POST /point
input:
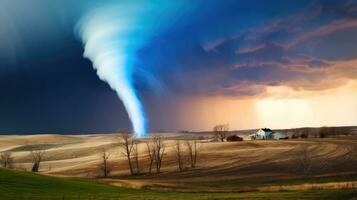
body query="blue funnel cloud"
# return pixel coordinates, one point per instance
(112, 34)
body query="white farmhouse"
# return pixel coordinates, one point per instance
(262, 134)
(266, 134)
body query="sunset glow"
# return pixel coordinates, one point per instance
(280, 107)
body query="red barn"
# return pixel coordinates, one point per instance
(234, 138)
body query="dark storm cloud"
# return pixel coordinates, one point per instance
(306, 46)
(230, 48)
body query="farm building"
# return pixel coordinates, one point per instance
(261, 134)
(234, 138)
(277, 136)
(266, 134)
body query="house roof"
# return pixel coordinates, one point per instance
(267, 130)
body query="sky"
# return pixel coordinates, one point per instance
(178, 65)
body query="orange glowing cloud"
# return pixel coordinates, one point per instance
(280, 107)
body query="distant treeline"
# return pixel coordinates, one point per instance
(320, 132)
(303, 132)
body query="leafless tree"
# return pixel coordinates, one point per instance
(178, 155)
(37, 157)
(6, 159)
(159, 152)
(192, 152)
(305, 161)
(105, 166)
(136, 157)
(221, 131)
(151, 151)
(127, 146)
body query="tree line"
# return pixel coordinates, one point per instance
(321, 132)
(155, 152)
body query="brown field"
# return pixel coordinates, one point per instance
(228, 166)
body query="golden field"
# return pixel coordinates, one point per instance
(221, 166)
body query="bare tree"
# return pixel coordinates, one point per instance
(151, 151)
(192, 152)
(159, 152)
(178, 155)
(136, 157)
(305, 161)
(6, 159)
(221, 131)
(127, 146)
(105, 166)
(37, 157)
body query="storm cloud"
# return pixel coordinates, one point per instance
(310, 47)
(227, 48)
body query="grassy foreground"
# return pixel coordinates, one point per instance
(25, 185)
